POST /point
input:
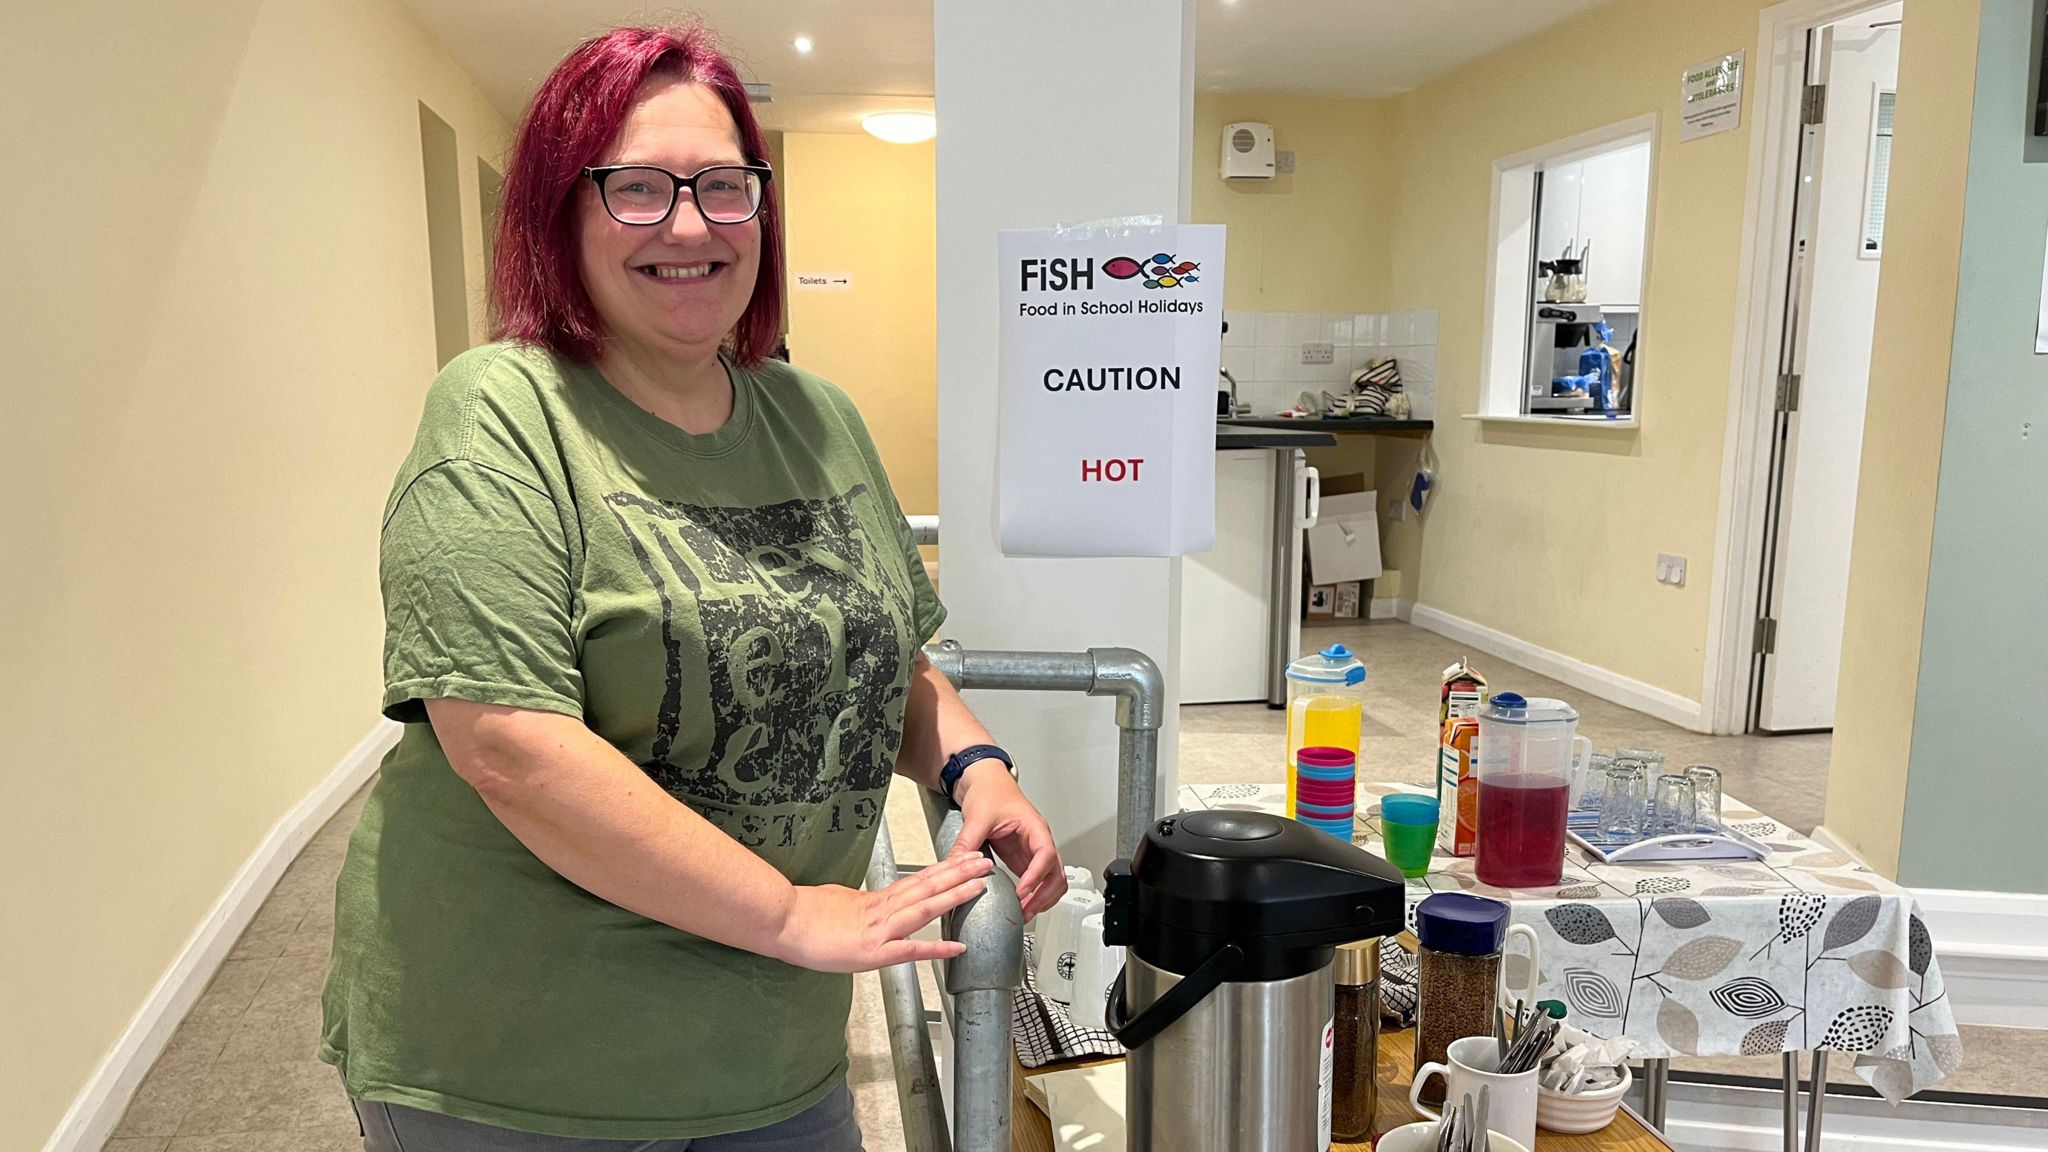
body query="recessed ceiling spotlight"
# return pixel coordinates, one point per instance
(803, 45)
(901, 127)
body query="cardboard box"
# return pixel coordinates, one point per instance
(1347, 599)
(1322, 601)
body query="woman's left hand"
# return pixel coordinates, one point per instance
(994, 812)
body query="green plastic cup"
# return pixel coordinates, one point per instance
(1408, 824)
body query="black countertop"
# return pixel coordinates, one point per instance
(1276, 434)
(1365, 424)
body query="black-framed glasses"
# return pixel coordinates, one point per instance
(644, 194)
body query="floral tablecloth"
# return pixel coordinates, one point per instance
(1801, 951)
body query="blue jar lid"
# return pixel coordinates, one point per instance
(1463, 923)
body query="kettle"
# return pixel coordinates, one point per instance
(1226, 1002)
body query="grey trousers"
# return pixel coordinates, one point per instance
(827, 1126)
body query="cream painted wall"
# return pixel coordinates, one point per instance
(1315, 241)
(856, 204)
(1909, 374)
(213, 370)
(1552, 534)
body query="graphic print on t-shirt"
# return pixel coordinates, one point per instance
(805, 640)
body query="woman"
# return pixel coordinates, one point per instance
(652, 621)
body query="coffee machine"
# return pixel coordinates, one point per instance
(1230, 921)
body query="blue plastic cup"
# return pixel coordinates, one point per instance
(1408, 824)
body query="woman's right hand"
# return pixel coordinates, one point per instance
(830, 928)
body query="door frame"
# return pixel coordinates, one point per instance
(1778, 71)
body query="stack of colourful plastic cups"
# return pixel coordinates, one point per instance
(1326, 790)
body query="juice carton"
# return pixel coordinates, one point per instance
(1457, 787)
(1464, 692)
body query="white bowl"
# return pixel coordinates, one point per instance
(1421, 1137)
(1585, 1112)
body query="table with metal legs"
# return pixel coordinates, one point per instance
(1656, 1096)
(1816, 1100)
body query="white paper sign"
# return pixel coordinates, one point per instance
(823, 281)
(2041, 326)
(1710, 98)
(1108, 356)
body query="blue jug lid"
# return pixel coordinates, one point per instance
(1333, 665)
(1461, 922)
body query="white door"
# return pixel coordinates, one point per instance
(1823, 434)
(1226, 592)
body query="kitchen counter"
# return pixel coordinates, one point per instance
(1273, 434)
(1369, 425)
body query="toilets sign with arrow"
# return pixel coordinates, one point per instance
(1110, 336)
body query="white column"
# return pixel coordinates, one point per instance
(1050, 112)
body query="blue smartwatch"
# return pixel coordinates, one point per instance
(959, 761)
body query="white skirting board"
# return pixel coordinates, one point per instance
(1608, 685)
(1993, 948)
(98, 1107)
(1710, 1118)
(1994, 954)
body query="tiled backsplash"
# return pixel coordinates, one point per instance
(1263, 351)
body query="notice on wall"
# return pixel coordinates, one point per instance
(1710, 98)
(822, 281)
(1110, 337)
(2041, 326)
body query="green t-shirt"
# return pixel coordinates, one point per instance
(737, 613)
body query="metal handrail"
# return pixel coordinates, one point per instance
(980, 984)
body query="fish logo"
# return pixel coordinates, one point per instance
(1163, 270)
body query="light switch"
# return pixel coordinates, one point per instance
(1671, 569)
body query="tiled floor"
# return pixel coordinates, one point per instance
(240, 1074)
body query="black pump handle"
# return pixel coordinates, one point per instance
(1178, 1001)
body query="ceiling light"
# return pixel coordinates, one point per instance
(803, 45)
(901, 127)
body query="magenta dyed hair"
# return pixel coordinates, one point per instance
(537, 293)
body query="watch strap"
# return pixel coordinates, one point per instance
(958, 763)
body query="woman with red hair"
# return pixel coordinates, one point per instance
(652, 625)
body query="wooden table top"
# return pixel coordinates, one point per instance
(1032, 1132)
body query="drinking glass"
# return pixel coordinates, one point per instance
(1675, 809)
(1621, 812)
(1706, 792)
(1652, 760)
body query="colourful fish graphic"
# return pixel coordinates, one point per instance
(1161, 270)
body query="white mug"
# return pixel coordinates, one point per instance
(1059, 930)
(1095, 968)
(1422, 1138)
(1511, 1105)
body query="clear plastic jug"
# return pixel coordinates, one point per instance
(1325, 707)
(1528, 752)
